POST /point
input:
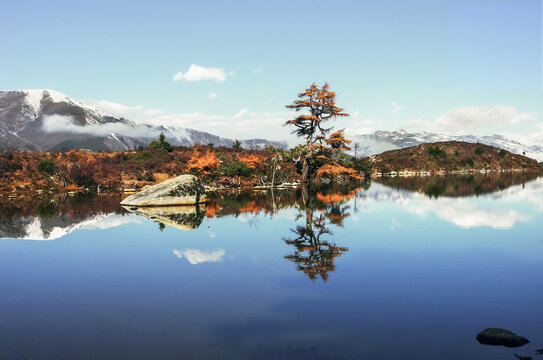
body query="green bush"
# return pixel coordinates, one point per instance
(161, 144)
(237, 168)
(47, 166)
(236, 145)
(437, 151)
(479, 150)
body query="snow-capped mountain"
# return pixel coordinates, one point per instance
(380, 141)
(46, 120)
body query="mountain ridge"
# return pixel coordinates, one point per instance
(381, 140)
(47, 120)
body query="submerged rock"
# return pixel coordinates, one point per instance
(181, 217)
(496, 336)
(520, 357)
(183, 190)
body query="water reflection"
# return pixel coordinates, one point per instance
(449, 198)
(181, 217)
(460, 185)
(196, 256)
(244, 288)
(315, 252)
(45, 217)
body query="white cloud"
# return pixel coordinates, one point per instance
(199, 73)
(241, 114)
(123, 111)
(258, 71)
(396, 107)
(195, 256)
(467, 118)
(242, 125)
(62, 123)
(212, 96)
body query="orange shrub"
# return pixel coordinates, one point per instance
(203, 163)
(334, 169)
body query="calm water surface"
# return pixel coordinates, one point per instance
(402, 269)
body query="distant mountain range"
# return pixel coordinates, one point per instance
(46, 120)
(380, 141)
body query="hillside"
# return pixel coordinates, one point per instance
(46, 120)
(380, 141)
(449, 156)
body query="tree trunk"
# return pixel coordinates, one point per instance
(305, 171)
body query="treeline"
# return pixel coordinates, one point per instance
(111, 171)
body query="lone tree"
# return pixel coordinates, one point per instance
(161, 144)
(321, 105)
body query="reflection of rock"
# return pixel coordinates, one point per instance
(495, 336)
(181, 217)
(183, 190)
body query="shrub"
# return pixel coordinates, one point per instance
(236, 145)
(161, 144)
(479, 150)
(47, 166)
(237, 168)
(437, 151)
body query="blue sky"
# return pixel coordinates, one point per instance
(453, 66)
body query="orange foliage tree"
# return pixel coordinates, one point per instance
(203, 164)
(321, 105)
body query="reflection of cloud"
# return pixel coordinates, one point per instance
(38, 228)
(195, 256)
(467, 212)
(110, 221)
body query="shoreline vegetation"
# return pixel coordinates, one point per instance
(322, 158)
(225, 168)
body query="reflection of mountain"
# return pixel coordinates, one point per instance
(466, 212)
(48, 218)
(181, 217)
(459, 185)
(56, 226)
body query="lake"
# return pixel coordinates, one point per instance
(396, 269)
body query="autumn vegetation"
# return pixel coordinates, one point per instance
(449, 156)
(323, 157)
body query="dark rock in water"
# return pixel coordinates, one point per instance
(539, 351)
(495, 336)
(183, 190)
(523, 357)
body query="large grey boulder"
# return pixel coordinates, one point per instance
(496, 336)
(183, 190)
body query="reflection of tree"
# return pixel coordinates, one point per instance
(314, 254)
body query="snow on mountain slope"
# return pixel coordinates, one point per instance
(380, 141)
(47, 120)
